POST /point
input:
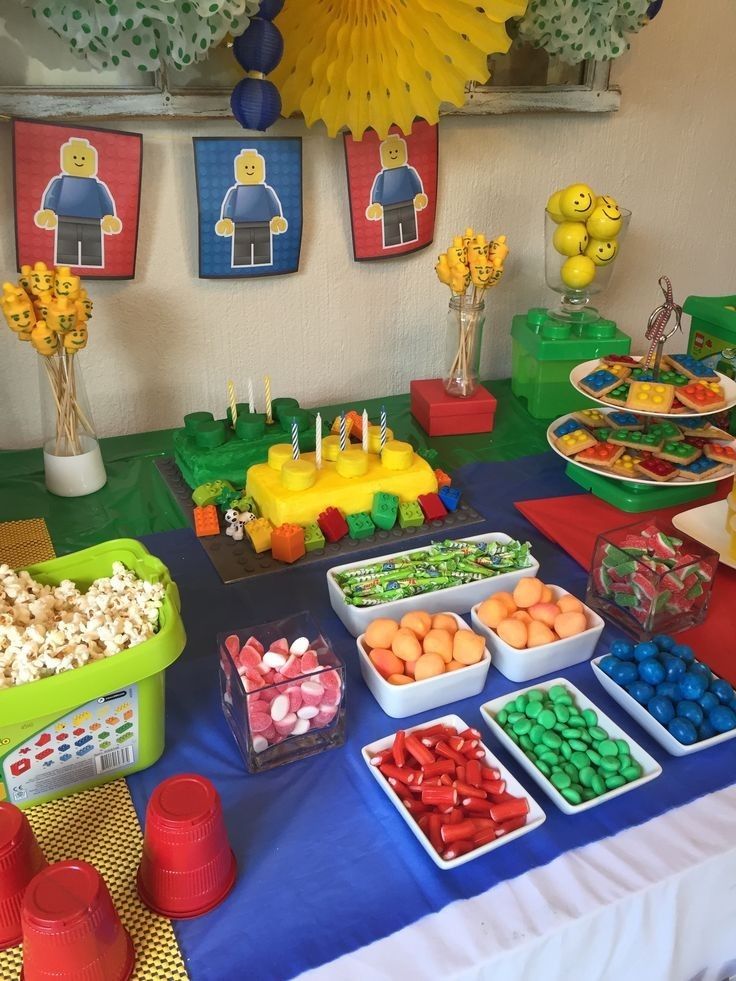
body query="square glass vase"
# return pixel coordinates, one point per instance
(650, 579)
(273, 717)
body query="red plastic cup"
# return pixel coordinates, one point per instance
(71, 930)
(187, 866)
(20, 859)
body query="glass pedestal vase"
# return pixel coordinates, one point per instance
(465, 320)
(72, 459)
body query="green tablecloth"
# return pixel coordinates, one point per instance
(135, 500)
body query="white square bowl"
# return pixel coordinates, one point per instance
(535, 818)
(650, 767)
(655, 729)
(456, 599)
(399, 701)
(523, 665)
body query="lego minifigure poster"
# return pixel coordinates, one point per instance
(250, 206)
(77, 197)
(393, 191)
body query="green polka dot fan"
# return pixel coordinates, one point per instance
(144, 33)
(575, 30)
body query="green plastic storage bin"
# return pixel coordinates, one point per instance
(713, 331)
(543, 353)
(99, 722)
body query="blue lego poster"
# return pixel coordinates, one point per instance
(249, 194)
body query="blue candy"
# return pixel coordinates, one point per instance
(641, 691)
(706, 730)
(722, 718)
(674, 666)
(651, 671)
(663, 641)
(622, 649)
(722, 690)
(624, 673)
(683, 651)
(669, 689)
(697, 667)
(661, 709)
(708, 701)
(692, 685)
(643, 651)
(690, 711)
(683, 731)
(609, 664)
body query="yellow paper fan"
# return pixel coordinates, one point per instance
(376, 63)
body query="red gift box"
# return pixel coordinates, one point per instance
(440, 414)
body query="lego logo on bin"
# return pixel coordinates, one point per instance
(112, 696)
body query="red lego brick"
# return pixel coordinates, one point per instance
(206, 521)
(43, 739)
(432, 507)
(332, 525)
(287, 543)
(443, 479)
(20, 766)
(44, 753)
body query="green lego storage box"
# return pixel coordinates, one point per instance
(543, 353)
(713, 331)
(105, 720)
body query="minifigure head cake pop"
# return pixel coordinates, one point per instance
(42, 278)
(45, 341)
(17, 309)
(66, 283)
(24, 279)
(75, 339)
(61, 314)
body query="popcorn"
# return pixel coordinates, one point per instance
(45, 630)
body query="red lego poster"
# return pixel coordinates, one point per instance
(77, 197)
(392, 185)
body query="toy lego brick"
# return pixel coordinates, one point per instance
(650, 397)
(568, 426)
(410, 515)
(432, 507)
(624, 420)
(592, 418)
(654, 469)
(443, 479)
(450, 497)
(206, 521)
(721, 454)
(678, 451)
(360, 526)
(332, 524)
(313, 537)
(637, 440)
(259, 534)
(357, 424)
(617, 395)
(575, 442)
(686, 364)
(599, 382)
(384, 510)
(210, 492)
(700, 397)
(626, 464)
(287, 543)
(600, 455)
(701, 469)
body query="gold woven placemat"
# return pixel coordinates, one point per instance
(100, 825)
(25, 543)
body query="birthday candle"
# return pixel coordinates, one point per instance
(318, 443)
(343, 432)
(294, 440)
(251, 401)
(267, 384)
(365, 431)
(383, 426)
(233, 404)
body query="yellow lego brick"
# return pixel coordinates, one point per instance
(259, 531)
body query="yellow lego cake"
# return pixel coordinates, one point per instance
(296, 492)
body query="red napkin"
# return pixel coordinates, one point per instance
(575, 522)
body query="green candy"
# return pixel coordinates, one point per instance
(576, 721)
(615, 781)
(542, 767)
(521, 702)
(624, 760)
(586, 776)
(623, 747)
(526, 744)
(570, 733)
(550, 758)
(571, 770)
(560, 780)
(609, 765)
(598, 785)
(536, 732)
(552, 740)
(591, 719)
(578, 745)
(556, 692)
(562, 712)
(512, 736)
(607, 747)
(579, 760)
(566, 751)
(596, 733)
(533, 709)
(632, 772)
(502, 716)
(595, 758)
(588, 793)
(515, 716)
(585, 736)
(572, 796)
(535, 695)
(546, 718)
(522, 726)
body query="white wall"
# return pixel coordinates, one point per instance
(165, 343)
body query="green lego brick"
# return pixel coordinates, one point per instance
(384, 510)
(246, 503)
(360, 525)
(313, 537)
(410, 515)
(210, 492)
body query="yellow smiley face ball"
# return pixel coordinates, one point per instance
(605, 219)
(570, 238)
(577, 202)
(577, 272)
(602, 252)
(553, 207)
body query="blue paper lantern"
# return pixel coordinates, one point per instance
(270, 8)
(255, 103)
(259, 48)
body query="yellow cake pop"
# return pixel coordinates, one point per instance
(61, 314)
(497, 251)
(86, 302)
(478, 251)
(45, 340)
(443, 269)
(65, 282)
(42, 278)
(75, 339)
(24, 279)
(18, 310)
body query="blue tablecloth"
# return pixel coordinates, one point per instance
(326, 865)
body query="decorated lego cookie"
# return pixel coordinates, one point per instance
(618, 395)
(722, 454)
(624, 420)
(654, 469)
(599, 382)
(652, 442)
(600, 455)
(626, 464)
(701, 397)
(701, 469)
(650, 396)
(625, 359)
(569, 426)
(575, 442)
(679, 452)
(690, 366)
(592, 418)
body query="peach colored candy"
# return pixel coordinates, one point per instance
(405, 645)
(399, 679)
(492, 611)
(521, 615)
(439, 642)
(547, 595)
(386, 662)
(570, 604)
(507, 599)
(467, 647)
(445, 621)
(539, 634)
(418, 621)
(428, 666)
(545, 612)
(454, 666)
(513, 632)
(569, 624)
(381, 632)
(409, 668)
(527, 592)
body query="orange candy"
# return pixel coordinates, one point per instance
(428, 666)
(532, 617)
(386, 662)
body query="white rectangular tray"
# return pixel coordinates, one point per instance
(535, 817)
(455, 599)
(707, 525)
(650, 767)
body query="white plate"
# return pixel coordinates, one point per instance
(456, 599)
(532, 662)
(727, 384)
(650, 767)
(535, 817)
(655, 729)
(707, 525)
(398, 701)
(727, 474)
